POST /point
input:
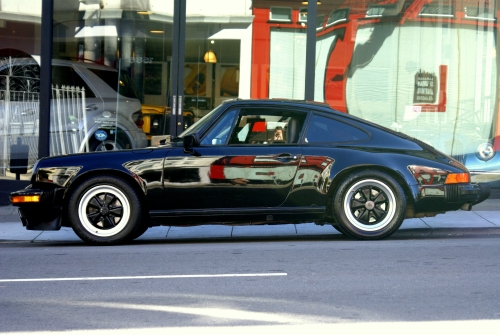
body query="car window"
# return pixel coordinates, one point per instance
(218, 135)
(65, 75)
(81, 83)
(122, 82)
(200, 124)
(323, 129)
(267, 126)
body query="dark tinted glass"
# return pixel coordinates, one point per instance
(124, 84)
(65, 75)
(323, 129)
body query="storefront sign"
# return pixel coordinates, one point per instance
(139, 60)
(425, 87)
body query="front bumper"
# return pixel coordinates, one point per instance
(45, 214)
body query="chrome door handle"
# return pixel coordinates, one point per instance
(90, 108)
(286, 157)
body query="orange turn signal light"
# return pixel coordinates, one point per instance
(16, 199)
(456, 178)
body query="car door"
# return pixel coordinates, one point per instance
(323, 150)
(238, 164)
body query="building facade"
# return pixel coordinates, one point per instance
(127, 72)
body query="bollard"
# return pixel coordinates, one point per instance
(19, 158)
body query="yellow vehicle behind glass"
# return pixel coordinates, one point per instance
(156, 122)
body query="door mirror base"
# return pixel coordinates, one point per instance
(189, 142)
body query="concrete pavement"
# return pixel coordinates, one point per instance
(485, 215)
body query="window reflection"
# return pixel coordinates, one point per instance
(426, 68)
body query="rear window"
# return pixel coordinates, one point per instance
(323, 129)
(123, 83)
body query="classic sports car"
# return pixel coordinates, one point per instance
(227, 168)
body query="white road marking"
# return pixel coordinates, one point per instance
(145, 277)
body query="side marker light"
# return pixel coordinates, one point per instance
(25, 198)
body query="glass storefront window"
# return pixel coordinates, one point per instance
(279, 49)
(19, 85)
(426, 69)
(120, 53)
(217, 53)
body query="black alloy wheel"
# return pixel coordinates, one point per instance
(105, 210)
(369, 205)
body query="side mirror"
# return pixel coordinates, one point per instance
(191, 141)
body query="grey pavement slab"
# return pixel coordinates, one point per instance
(65, 234)
(198, 231)
(488, 205)
(14, 231)
(490, 216)
(457, 219)
(8, 214)
(312, 229)
(8, 210)
(154, 233)
(264, 230)
(414, 224)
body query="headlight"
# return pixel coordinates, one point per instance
(485, 151)
(56, 175)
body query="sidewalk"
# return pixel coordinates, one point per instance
(484, 215)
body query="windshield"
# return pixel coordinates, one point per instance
(209, 118)
(123, 83)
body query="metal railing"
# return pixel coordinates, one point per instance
(68, 123)
(19, 117)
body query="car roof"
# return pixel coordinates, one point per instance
(277, 101)
(316, 105)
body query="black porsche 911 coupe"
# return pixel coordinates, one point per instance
(251, 162)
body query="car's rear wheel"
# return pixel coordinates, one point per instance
(105, 210)
(369, 205)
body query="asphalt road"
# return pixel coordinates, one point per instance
(287, 282)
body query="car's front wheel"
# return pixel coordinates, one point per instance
(369, 205)
(105, 210)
